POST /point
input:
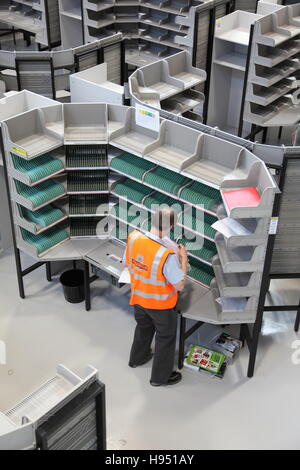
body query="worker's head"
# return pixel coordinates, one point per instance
(163, 221)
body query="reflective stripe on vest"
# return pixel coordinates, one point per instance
(151, 296)
(153, 275)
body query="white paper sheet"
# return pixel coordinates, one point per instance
(232, 303)
(125, 277)
(230, 227)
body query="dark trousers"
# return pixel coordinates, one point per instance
(164, 324)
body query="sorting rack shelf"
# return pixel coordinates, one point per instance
(87, 181)
(38, 196)
(32, 172)
(273, 69)
(40, 220)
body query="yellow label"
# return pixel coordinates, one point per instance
(20, 151)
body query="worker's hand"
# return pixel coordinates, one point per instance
(182, 252)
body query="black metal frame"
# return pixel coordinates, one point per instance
(241, 119)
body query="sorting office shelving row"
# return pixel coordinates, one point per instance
(174, 166)
(274, 69)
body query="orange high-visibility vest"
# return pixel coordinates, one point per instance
(149, 287)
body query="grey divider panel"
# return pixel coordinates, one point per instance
(286, 254)
(85, 122)
(70, 15)
(35, 73)
(30, 137)
(236, 284)
(242, 259)
(112, 56)
(132, 137)
(116, 118)
(174, 146)
(168, 84)
(205, 165)
(273, 70)
(232, 34)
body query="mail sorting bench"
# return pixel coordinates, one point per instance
(106, 263)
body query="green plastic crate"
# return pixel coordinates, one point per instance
(41, 193)
(200, 272)
(160, 198)
(44, 217)
(39, 168)
(131, 165)
(46, 240)
(207, 250)
(132, 190)
(191, 219)
(166, 180)
(201, 194)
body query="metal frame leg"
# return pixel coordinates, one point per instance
(264, 136)
(74, 264)
(297, 322)
(19, 273)
(87, 290)
(48, 271)
(280, 133)
(181, 342)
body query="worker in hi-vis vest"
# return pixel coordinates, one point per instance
(157, 275)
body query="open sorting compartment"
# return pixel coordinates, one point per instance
(200, 272)
(175, 144)
(236, 284)
(198, 247)
(85, 123)
(34, 171)
(116, 117)
(155, 77)
(277, 27)
(133, 137)
(271, 56)
(131, 190)
(205, 164)
(241, 258)
(165, 180)
(86, 156)
(87, 181)
(131, 165)
(242, 232)
(252, 196)
(231, 309)
(179, 66)
(28, 136)
(199, 222)
(201, 195)
(92, 227)
(35, 197)
(87, 205)
(38, 245)
(42, 219)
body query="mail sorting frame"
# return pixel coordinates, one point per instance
(49, 10)
(256, 41)
(184, 120)
(65, 60)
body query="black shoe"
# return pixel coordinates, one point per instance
(142, 363)
(174, 379)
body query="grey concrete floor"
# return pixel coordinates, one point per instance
(199, 413)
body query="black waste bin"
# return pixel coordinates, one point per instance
(73, 285)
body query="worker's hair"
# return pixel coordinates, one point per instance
(164, 219)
